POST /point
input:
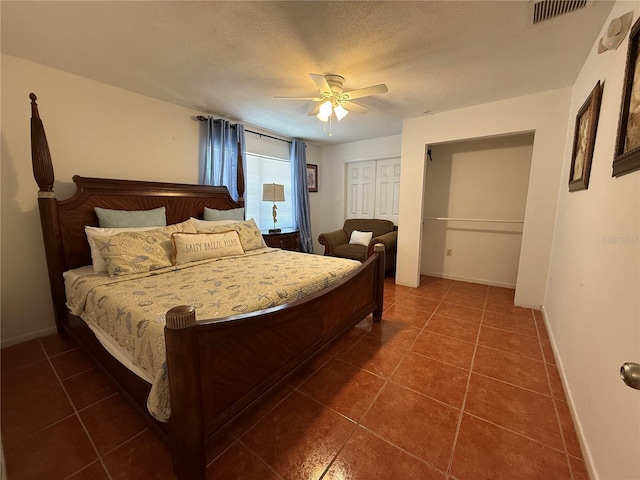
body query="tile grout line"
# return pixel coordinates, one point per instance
(375, 398)
(75, 412)
(238, 439)
(254, 454)
(519, 434)
(464, 399)
(554, 401)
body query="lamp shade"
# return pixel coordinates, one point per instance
(272, 192)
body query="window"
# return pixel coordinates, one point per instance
(262, 169)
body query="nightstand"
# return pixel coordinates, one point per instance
(287, 239)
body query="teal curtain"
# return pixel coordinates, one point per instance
(219, 154)
(300, 194)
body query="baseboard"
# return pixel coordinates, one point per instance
(27, 336)
(586, 452)
(481, 281)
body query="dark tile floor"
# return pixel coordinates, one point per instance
(455, 383)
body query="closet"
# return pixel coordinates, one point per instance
(373, 189)
(473, 208)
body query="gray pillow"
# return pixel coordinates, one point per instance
(232, 214)
(134, 218)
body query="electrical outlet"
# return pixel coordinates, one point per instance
(449, 252)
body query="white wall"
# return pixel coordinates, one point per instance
(95, 130)
(477, 179)
(328, 211)
(592, 304)
(546, 115)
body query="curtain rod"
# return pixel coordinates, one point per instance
(204, 119)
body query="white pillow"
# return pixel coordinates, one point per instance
(99, 265)
(210, 223)
(360, 238)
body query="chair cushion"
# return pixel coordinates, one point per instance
(354, 252)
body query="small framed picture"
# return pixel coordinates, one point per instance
(584, 139)
(312, 177)
(626, 158)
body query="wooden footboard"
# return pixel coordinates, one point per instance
(219, 369)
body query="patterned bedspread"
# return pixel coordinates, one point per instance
(132, 308)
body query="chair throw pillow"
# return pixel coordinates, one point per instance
(360, 238)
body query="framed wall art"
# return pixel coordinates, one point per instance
(627, 153)
(584, 140)
(312, 177)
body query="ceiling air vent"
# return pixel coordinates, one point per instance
(546, 9)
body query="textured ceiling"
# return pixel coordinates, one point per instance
(232, 58)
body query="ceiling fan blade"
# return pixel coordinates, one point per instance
(354, 107)
(313, 99)
(365, 92)
(321, 83)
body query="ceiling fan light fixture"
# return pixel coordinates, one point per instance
(325, 111)
(334, 100)
(322, 118)
(340, 112)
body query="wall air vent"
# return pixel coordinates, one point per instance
(546, 9)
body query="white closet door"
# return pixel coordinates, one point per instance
(387, 189)
(361, 189)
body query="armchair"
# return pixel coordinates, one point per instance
(336, 243)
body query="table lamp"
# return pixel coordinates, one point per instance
(273, 192)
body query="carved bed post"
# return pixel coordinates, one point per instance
(48, 206)
(379, 284)
(187, 418)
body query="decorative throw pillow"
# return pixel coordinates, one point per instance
(210, 223)
(99, 265)
(136, 252)
(360, 238)
(232, 214)
(191, 247)
(248, 231)
(135, 218)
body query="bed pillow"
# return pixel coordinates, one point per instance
(248, 231)
(99, 265)
(137, 252)
(210, 223)
(191, 247)
(232, 214)
(131, 218)
(360, 238)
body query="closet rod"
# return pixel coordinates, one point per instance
(486, 220)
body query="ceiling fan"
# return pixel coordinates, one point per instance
(333, 99)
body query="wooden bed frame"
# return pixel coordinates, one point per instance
(218, 368)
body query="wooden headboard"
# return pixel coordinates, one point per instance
(181, 202)
(63, 221)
